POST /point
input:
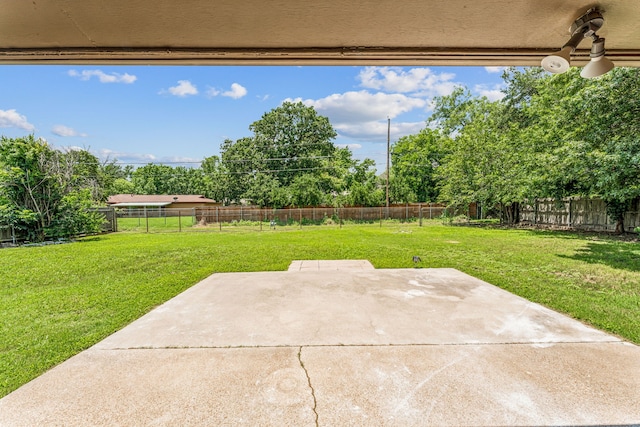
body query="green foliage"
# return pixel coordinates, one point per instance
(292, 161)
(74, 216)
(414, 161)
(40, 185)
(551, 136)
(289, 161)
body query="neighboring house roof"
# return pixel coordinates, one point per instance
(156, 200)
(140, 204)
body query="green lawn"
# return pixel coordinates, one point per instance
(58, 300)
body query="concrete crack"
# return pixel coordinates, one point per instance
(313, 393)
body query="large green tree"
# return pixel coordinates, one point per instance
(290, 160)
(486, 161)
(45, 192)
(292, 140)
(414, 161)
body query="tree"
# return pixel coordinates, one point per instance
(290, 144)
(585, 134)
(414, 160)
(292, 140)
(305, 191)
(214, 179)
(153, 179)
(114, 179)
(486, 160)
(40, 188)
(612, 135)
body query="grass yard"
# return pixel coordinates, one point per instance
(58, 300)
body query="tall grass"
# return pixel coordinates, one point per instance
(58, 300)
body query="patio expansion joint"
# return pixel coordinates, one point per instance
(445, 344)
(313, 393)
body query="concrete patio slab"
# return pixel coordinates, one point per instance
(329, 265)
(406, 347)
(376, 307)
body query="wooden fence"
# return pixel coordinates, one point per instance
(578, 213)
(7, 234)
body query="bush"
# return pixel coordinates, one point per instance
(74, 218)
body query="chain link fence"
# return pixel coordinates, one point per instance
(241, 217)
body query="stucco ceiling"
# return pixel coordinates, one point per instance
(333, 32)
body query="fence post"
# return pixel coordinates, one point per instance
(146, 217)
(179, 220)
(380, 217)
(420, 214)
(340, 217)
(570, 213)
(193, 219)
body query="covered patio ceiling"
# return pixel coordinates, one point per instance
(329, 32)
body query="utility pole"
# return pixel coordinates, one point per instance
(388, 170)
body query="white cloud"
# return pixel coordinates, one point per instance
(103, 77)
(143, 158)
(414, 80)
(211, 92)
(62, 130)
(11, 118)
(121, 156)
(184, 88)
(492, 93)
(363, 106)
(237, 91)
(495, 70)
(363, 115)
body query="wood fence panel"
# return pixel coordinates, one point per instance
(579, 213)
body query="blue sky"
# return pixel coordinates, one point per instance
(157, 114)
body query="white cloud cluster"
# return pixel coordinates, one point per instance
(143, 158)
(491, 92)
(183, 89)
(416, 80)
(388, 93)
(66, 131)
(11, 118)
(103, 77)
(494, 70)
(236, 91)
(121, 156)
